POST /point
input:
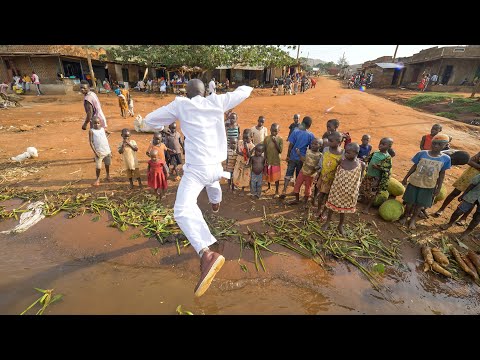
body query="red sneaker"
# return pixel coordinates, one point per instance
(210, 263)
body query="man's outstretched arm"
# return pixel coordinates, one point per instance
(162, 116)
(232, 99)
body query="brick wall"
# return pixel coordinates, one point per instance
(112, 72)
(45, 67)
(381, 77)
(133, 73)
(3, 72)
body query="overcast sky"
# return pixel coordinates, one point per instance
(357, 54)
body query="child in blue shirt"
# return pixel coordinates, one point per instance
(426, 179)
(365, 148)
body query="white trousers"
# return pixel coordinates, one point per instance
(187, 214)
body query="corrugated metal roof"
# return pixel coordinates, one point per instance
(240, 67)
(390, 65)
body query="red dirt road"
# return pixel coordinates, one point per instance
(64, 151)
(61, 142)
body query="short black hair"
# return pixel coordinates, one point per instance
(335, 122)
(353, 146)
(335, 135)
(459, 158)
(260, 147)
(247, 132)
(307, 121)
(387, 140)
(84, 82)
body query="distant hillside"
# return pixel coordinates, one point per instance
(311, 62)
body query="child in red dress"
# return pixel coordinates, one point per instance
(157, 174)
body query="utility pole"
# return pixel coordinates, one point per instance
(298, 63)
(92, 75)
(395, 54)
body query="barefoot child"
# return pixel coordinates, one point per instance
(300, 138)
(343, 194)
(378, 173)
(331, 158)
(130, 107)
(122, 102)
(157, 144)
(99, 144)
(242, 171)
(426, 142)
(469, 199)
(309, 170)
(426, 179)
(128, 149)
(174, 145)
(273, 148)
(258, 164)
(229, 164)
(462, 183)
(157, 174)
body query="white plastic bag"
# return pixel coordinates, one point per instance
(28, 218)
(30, 153)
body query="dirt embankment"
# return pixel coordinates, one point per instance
(454, 106)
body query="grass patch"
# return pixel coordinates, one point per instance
(448, 115)
(430, 98)
(465, 106)
(460, 104)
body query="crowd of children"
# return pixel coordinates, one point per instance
(165, 150)
(338, 175)
(342, 172)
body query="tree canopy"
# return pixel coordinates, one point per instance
(342, 62)
(207, 57)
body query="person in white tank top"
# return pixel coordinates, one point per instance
(99, 144)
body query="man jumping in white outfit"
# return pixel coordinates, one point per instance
(202, 122)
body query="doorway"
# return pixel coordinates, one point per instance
(446, 74)
(396, 76)
(125, 75)
(72, 68)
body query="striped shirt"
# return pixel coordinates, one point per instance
(232, 133)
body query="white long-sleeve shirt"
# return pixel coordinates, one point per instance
(202, 123)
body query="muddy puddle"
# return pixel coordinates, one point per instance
(101, 270)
